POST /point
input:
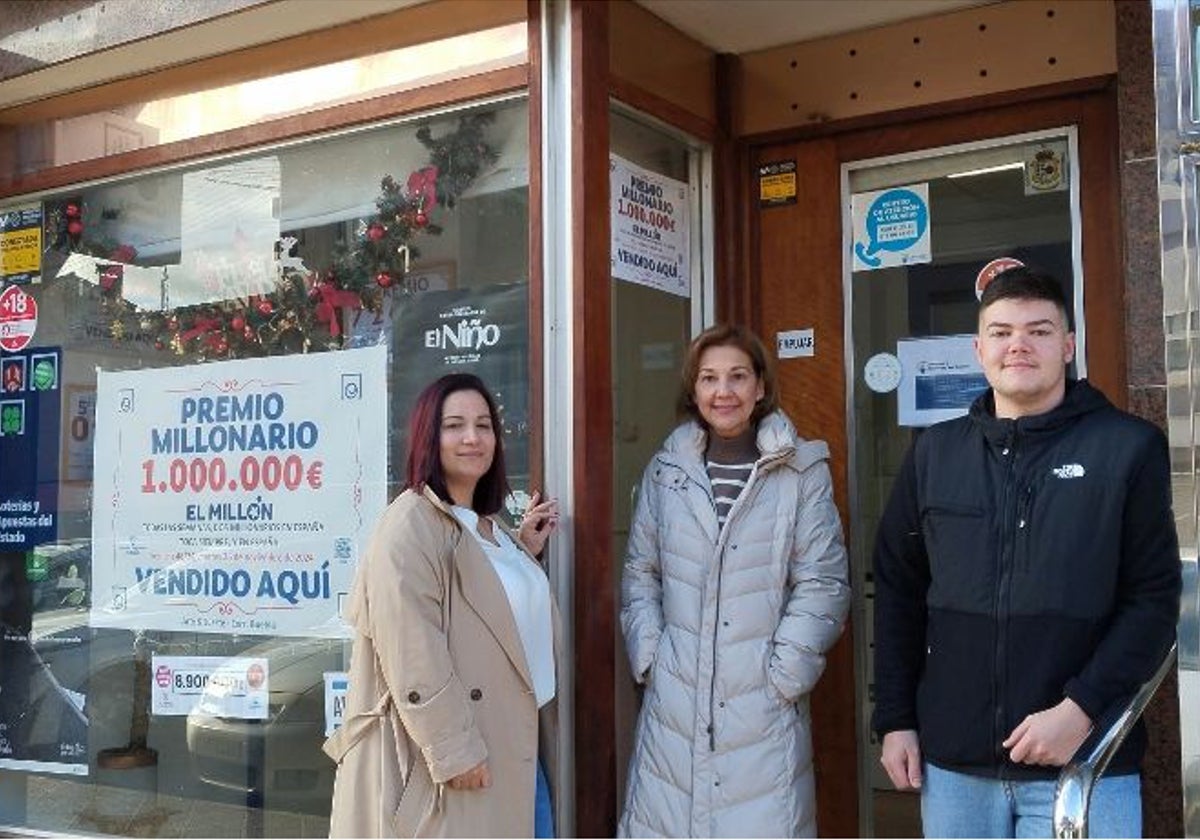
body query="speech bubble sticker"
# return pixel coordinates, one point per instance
(896, 221)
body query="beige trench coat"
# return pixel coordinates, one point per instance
(438, 683)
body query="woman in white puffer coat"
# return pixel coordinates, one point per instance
(735, 585)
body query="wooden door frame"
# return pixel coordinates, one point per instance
(795, 259)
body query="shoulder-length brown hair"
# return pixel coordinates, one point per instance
(728, 335)
(425, 444)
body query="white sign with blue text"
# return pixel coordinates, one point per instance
(650, 236)
(940, 378)
(236, 497)
(891, 227)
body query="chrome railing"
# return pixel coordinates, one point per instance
(1074, 791)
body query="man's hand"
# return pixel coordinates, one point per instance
(1050, 736)
(902, 759)
(477, 777)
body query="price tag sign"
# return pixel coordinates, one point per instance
(234, 687)
(18, 319)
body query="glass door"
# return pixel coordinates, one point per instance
(924, 233)
(660, 259)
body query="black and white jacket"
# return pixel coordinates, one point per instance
(1018, 562)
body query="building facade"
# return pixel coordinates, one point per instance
(240, 235)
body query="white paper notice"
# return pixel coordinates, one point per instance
(229, 220)
(795, 344)
(234, 497)
(941, 378)
(337, 683)
(230, 687)
(649, 228)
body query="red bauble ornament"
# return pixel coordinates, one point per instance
(263, 307)
(383, 279)
(158, 345)
(221, 346)
(124, 253)
(375, 232)
(237, 322)
(72, 211)
(75, 227)
(421, 220)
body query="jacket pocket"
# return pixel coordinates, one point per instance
(419, 802)
(955, 534)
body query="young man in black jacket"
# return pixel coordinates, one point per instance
(1027, 578)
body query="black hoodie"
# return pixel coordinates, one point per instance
(1018, 562)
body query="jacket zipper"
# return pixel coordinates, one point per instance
(712, 738)
(722, 542)
(1024, 523)
(1007, 551)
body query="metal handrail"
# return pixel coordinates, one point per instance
(1073, 793)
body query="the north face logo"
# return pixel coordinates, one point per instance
(1069, 471)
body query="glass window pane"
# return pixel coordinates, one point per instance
(413, 236)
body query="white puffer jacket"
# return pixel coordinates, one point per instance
(728, 631)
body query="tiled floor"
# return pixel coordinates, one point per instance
(64, 806)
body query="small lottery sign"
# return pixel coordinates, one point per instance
(18, 319)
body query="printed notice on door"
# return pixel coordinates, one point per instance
(235, 497)
(891, 227)
(649, 228)
(941, 378)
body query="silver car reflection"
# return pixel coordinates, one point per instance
(277, 762)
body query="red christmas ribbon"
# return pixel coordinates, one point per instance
(333, 298)
(201, 326)
(422, 185)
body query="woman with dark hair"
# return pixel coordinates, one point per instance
(452, 677)
(735, 585)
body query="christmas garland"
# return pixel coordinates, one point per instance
(303, 312)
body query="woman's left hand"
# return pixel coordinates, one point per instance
(539, 521)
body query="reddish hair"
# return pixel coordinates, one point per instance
(425, 444)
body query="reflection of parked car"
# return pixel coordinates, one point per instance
(58, 574)
(278, 759)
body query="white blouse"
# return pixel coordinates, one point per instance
(528, 592)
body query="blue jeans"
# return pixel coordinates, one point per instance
(543, 811)
(958, 805)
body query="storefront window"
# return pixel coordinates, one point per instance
(205, 372)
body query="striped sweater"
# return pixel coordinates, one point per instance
(729, 462)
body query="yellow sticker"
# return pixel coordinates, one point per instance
(21, 245)
(777, 183)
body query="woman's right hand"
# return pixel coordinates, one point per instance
(477, 777)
